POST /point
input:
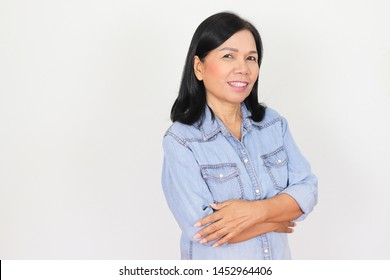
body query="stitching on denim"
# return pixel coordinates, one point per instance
(268, 168)
(219, 165)
(276, 185)
(269, 249)
(190, 250)
(261, 126)
(206, 175)
(178, 139)
(212, 138)
(232, 176)
(266, 243)
(186, 140)
(273, 153)
(208, 136)
(241, 187)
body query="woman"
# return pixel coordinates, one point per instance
(232, 175)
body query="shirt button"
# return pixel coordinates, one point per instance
(257, 191)
(279, 161)
(266, 251)
(246, 160)
(220, 175)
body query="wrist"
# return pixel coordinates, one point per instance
(260, 211)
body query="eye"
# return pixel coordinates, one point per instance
(228, 55)
(252, 58)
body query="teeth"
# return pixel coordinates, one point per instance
(238, 84)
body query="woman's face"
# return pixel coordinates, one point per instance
(229, 71)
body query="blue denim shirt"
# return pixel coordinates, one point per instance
(208, 164)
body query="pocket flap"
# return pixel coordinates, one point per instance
(223, 171)
(276, 158)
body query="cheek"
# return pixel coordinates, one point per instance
(254, 73)
(215, 71)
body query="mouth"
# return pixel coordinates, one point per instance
(238, 85)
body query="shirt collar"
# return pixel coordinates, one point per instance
(211, 127)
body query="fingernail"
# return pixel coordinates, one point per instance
(197, 224)
(213, 205)
(203, 241)
(197, 236)
(215, 245)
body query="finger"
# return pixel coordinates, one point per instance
(208, 219)
(292, 224)
(286, 227)
(218, 206)
(210, 229)
(285, 230)
(215, 235)
(215, 206)
(220, 224)
(223, 240)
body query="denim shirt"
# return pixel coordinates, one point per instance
(206, 164)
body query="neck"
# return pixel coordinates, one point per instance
(230, 115)
(227, 113)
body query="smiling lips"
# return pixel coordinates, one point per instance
(238, 85)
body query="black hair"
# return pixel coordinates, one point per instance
(189, 106)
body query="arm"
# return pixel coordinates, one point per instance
(235, 218)
(186, 192)
(188, 195)
(240, 219)
(303, 184)
(259, 229)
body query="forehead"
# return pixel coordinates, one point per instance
(242, 40)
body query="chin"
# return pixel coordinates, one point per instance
(238, 99)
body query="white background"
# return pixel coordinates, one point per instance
(86, 89)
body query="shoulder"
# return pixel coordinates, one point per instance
(271, 117)
(271, 113)
(183, 132)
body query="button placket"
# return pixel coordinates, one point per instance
(256, 189)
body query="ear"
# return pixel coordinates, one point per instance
(198, 68)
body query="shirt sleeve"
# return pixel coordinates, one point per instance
(302, 185)
(185, 190)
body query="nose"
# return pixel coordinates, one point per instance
(242, 67)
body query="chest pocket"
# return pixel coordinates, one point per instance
(276, 165)
(223, 181)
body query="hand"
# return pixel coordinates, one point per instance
(231, 218)
(259, 229)
(285, 227)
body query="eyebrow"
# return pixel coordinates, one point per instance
(234, 50)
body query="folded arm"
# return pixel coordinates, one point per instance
(239, 220)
